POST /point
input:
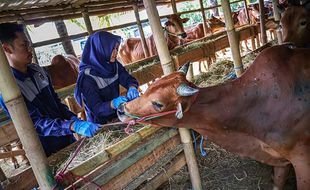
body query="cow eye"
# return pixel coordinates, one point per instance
(157, 106)
(303, 23)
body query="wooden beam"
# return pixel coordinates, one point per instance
(12, 153)
(233, 41)
(87, 22)
(144, 45)
(137, 173)
(277, 17)
(177, 163)
(127, 161)
(262, 21)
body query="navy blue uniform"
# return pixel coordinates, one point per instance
(50, 117)
(99, 79)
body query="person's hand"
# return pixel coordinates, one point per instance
(132, 93)
(118, 101)
(85, 128)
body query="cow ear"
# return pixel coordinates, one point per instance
(184, 20)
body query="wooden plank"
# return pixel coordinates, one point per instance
(12, 153)
(7, 133)
(168, 171)
(154, 168)
(111, 152)
(127, 161)
(24, 180)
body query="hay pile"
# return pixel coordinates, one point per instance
(90, 147)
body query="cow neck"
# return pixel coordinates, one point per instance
(216, 105)
(172, 41)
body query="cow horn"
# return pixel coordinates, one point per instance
(184, 68)
(185, 90)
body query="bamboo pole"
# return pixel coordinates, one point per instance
(232, 38)
(168, 67)
(262, 22)
(87, 22)
(174, 7)
(144, 45)
(159, 38)
(24, 126)
(277, 17)
(204, 19)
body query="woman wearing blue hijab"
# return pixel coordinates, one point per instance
(100, 75)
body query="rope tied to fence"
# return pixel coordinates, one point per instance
(63, 175)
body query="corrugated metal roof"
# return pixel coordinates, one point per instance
(32, 11)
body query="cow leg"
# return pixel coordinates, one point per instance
(253, 43)
(279, 176)
(300, 158)
(257, 41)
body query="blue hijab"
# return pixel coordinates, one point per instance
(96, 56)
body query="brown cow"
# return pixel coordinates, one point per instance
(214, 24)
(295, 24)
(132, 50)
(63, 70)
(263, 115)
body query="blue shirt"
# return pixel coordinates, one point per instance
(50, 117)
(98, 92)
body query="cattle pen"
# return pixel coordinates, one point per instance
(150, 156)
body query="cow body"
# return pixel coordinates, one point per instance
(263, 115)
(213, 24)
(63, 70)
(132, 49)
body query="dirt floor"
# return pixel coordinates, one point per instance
(222, 170)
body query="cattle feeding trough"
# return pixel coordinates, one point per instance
(95, 164)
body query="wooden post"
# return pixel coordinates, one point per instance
(87, 22)
(24, 126)
(277, 17)
(35, 58)
(168, 67)
(144, 45)
(204, 19)
(159, 38)
(174, 7)
(232, 38)
(262, 22)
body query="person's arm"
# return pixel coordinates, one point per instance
(126, 80)
(48, 126)
(2, 105)
(93, 99)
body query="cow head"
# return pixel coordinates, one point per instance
(215, 23)
(295, 23)
(172, 92)
(174, 26)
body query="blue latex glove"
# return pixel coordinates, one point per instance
(3, 105)
(118, 101)
(132, 93)
(85, 128)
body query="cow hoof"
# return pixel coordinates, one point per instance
(275, 188)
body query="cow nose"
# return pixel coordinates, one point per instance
(121, 109)
(184, 35)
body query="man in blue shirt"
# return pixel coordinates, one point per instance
(54, 123)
